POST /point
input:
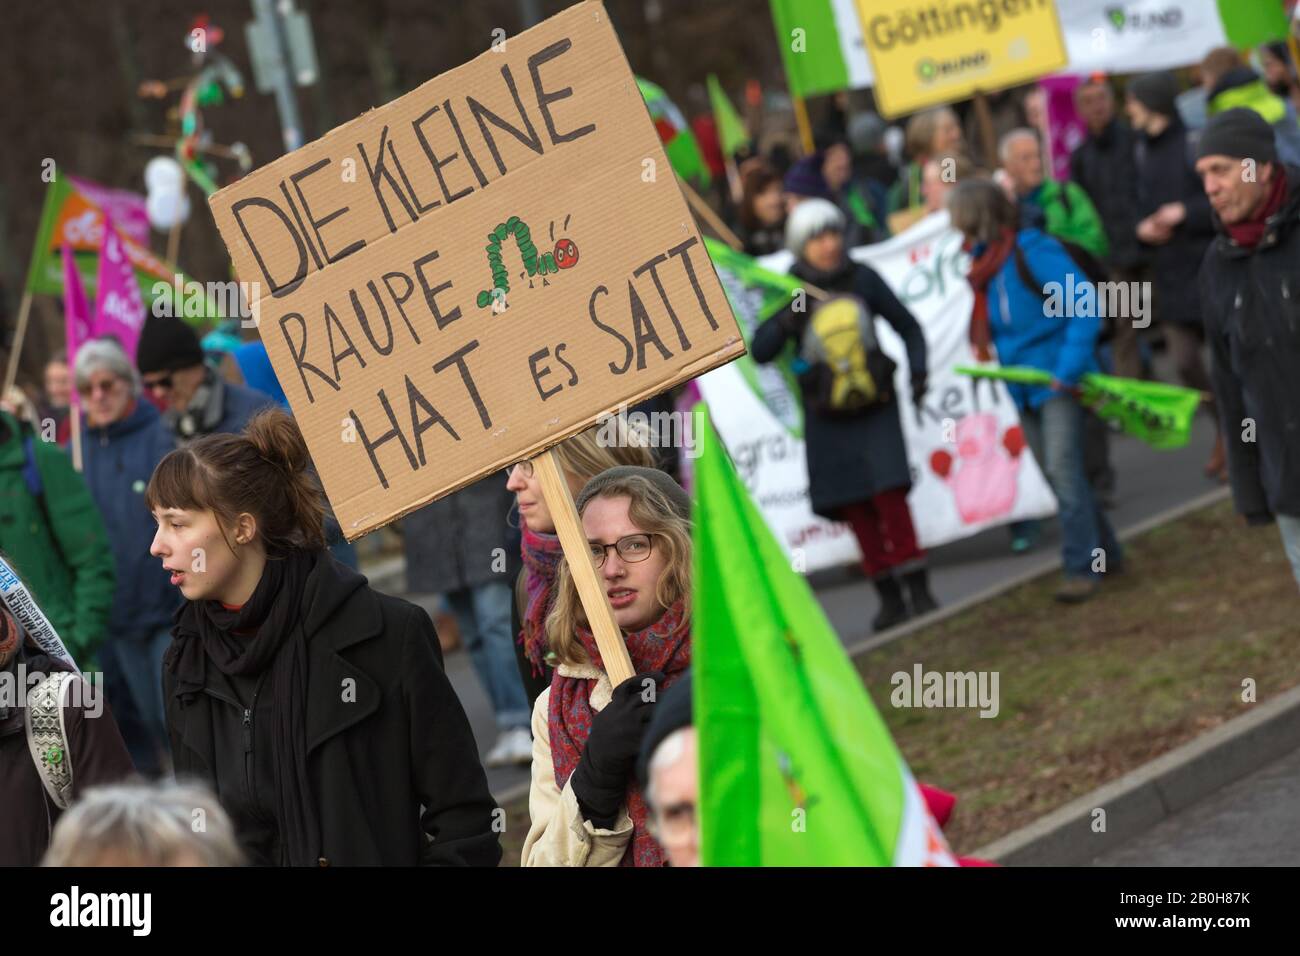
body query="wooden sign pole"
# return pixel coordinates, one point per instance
(600, 616)
(16, 348)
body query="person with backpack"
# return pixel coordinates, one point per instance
(1176, 227)
(315, 706)
(54, 536)
(858, 471)
(55, 743)
(1009, 269)
(123, 439)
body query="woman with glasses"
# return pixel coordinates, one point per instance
(123, 439)
(581, 458)
(585, 806)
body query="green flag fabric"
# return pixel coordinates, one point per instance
(1248, 23)
(1154, 412)
(756, 294)
(797, 767)
(679, 142)
(732, 135)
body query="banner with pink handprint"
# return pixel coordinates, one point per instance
(971, 468)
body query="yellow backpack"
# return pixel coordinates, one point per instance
(848, 373)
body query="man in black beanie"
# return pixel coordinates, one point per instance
(1174, 229)
(193, 398)
(1250, 284)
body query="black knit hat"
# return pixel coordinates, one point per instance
(671, 713)
(1241, 133)
(1158, 92)
(677, 497)
(167, 344)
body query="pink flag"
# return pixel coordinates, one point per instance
(76, 312)
(119, 310)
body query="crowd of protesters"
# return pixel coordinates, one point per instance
(193, 561)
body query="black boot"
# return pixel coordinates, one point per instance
(892, 609)
(918, 590)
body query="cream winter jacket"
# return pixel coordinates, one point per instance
(559, 834)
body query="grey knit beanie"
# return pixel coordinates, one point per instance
(676, 495)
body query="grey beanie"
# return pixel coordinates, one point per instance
(1241, 133)
(866, 133)
(1158, 92)
(676, 495)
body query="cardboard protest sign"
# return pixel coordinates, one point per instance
(925, 54)
(464, 277)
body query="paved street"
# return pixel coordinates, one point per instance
(1248, 823)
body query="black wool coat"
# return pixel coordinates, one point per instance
(1252, 322)
(850, 459)
(393, 766)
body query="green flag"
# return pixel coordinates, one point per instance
(1155, 412)
(1249, 23)
(679, 142)
(732, 134)
(796, 766)
(756, 294)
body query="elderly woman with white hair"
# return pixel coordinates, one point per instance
(858, 471)
(123, 439)
(143, 824)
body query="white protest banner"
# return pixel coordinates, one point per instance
(970, 467)
(463, 277)
(1138, 35)
(28, 613)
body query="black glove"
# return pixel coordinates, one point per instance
(919, 387)
(600, 779)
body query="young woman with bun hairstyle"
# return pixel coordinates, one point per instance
(316, 707)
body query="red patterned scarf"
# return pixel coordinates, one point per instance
(982, 270)
(541, 553)
(663, 646)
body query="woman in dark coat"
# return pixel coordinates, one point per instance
(316, 707)
(858, 470)
(1175, 228)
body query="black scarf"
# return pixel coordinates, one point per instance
(205, 636)
(838, 279)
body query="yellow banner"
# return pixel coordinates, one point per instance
(927, 52)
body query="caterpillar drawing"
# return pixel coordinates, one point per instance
(564, 256)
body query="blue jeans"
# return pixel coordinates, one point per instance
(483, 615)
(1055, 432)
(133, 664)
(1290, 528)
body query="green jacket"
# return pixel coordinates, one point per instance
(64, 561)
(1070, 215)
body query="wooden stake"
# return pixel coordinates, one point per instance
(705, 212)
(600, 616)
(24, 312)
(805, 127)
(174, 243)
(984, 115)
(76, 436)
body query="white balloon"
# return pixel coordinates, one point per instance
(167, 208)
(162, 173)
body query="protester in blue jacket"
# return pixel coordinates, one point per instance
(123, 439)
(1037, 308)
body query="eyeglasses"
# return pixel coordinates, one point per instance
(524, 466)
(90, 388)
(155, 384)
(673, 825)
(633, 548)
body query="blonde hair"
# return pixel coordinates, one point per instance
(921, 128)
(652, 512)
(585, 455)
(148, 824)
